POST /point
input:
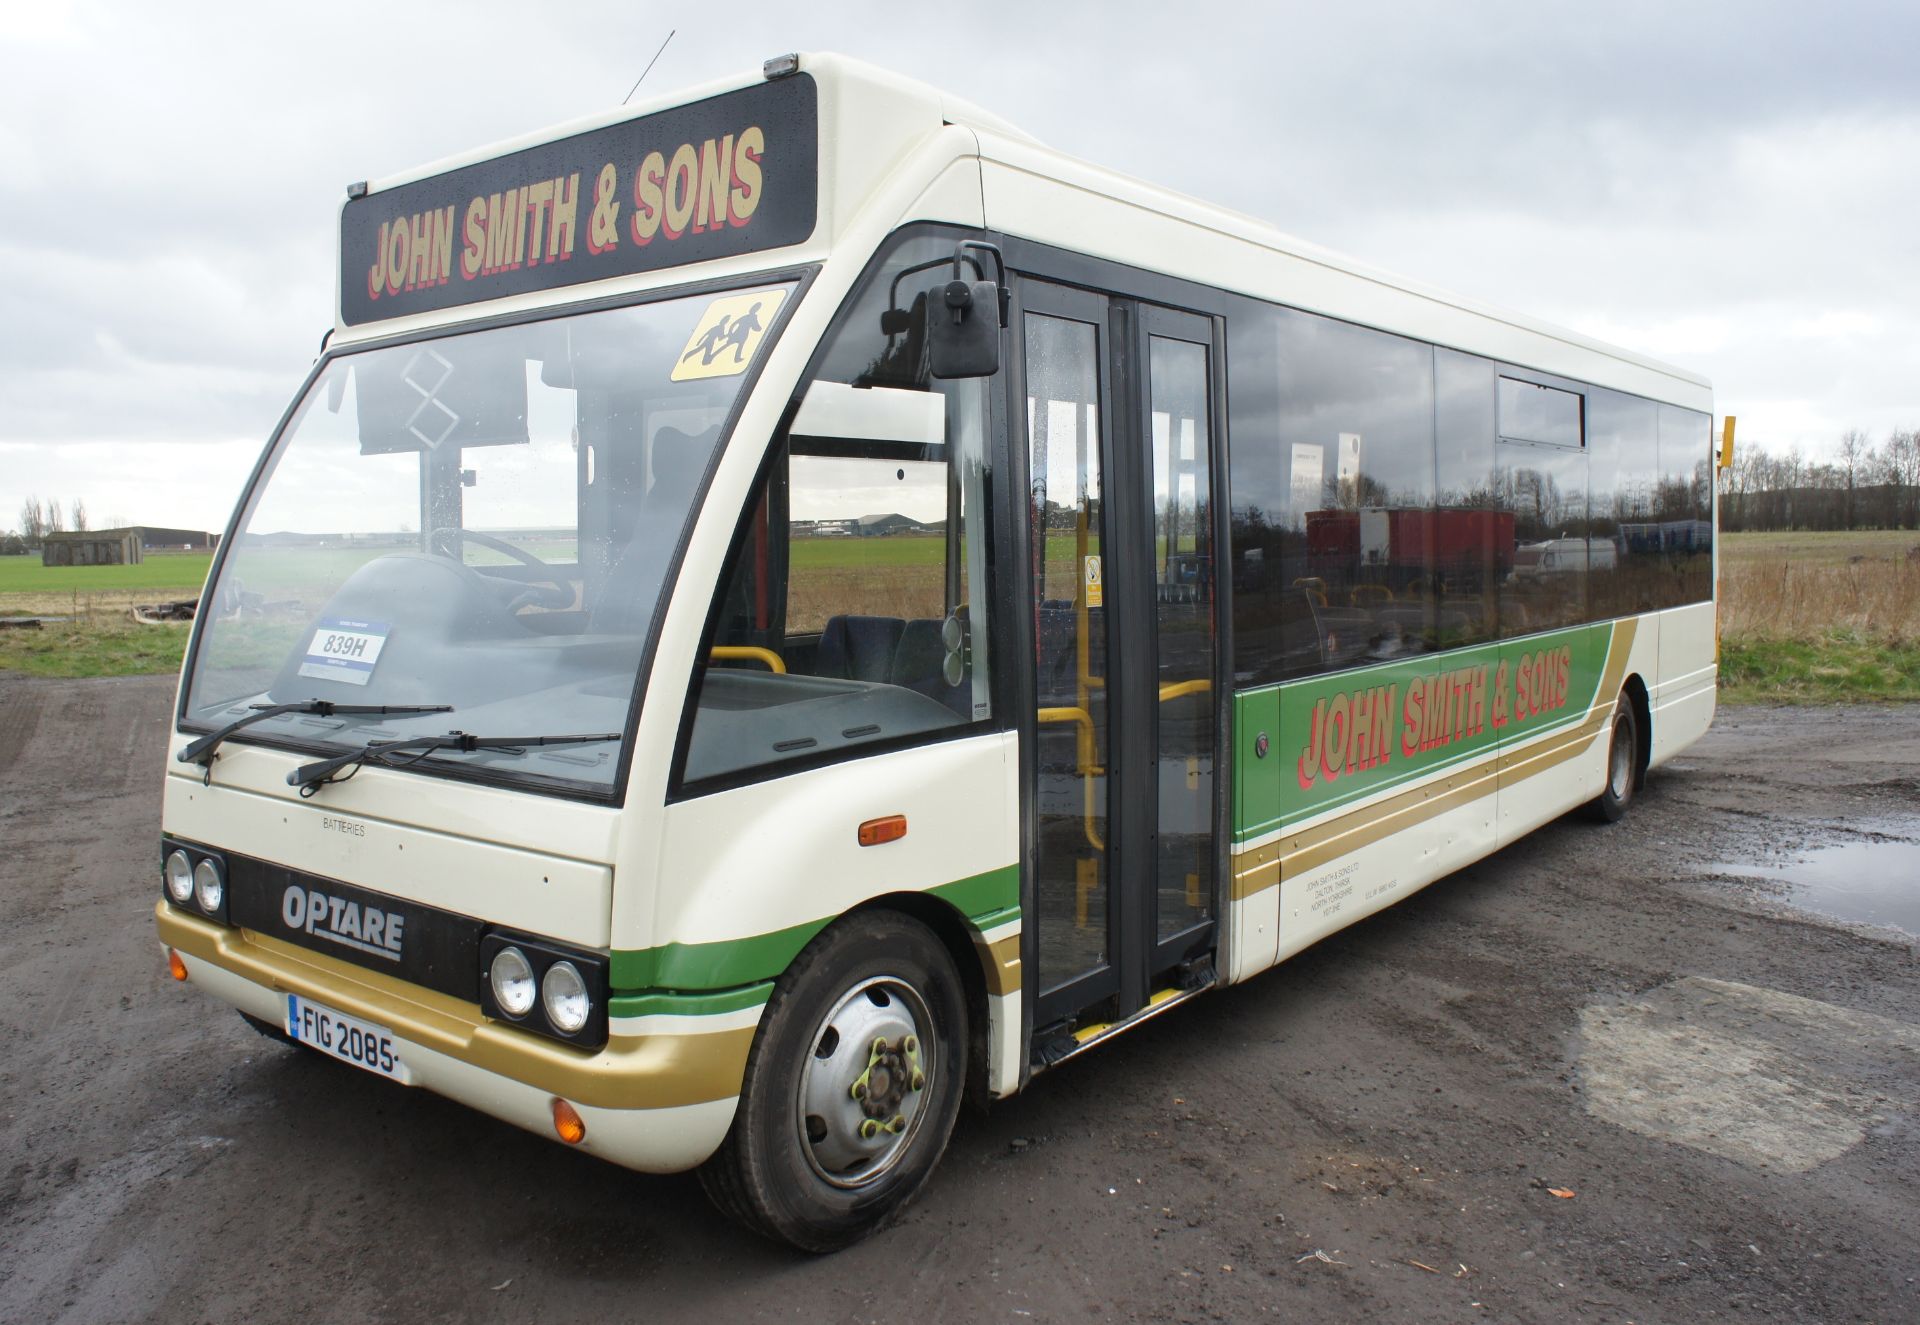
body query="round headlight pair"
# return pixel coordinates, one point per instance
(187, 881)
(563, 991)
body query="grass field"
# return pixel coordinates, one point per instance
(162, 573)
(1805, 618)
(106, 644)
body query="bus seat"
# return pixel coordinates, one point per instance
(919, 664)
(1369, 595)
(626, 601)
(859, 648)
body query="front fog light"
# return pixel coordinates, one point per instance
(511, 976)
(208, 887)
(565, 994)
(179, 878)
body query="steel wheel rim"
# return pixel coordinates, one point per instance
(1620, 765)
(841, 1054)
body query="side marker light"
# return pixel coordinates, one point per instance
(175, 967)
(890, 829)
(567, 1124)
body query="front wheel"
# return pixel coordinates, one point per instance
(851, 1088)
(1623, 750)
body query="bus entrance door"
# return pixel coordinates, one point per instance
(1121, 781)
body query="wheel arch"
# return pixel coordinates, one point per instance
(1635, 690)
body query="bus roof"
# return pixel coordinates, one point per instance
(862, 126)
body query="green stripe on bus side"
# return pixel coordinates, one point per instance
(690, 1005)
(730, 963)
(991, 920)
(1516, 684)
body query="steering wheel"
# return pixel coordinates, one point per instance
(554, 593)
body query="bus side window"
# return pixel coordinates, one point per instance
(853, 611)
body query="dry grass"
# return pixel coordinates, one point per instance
(81, 606)
(101, 644)
(1819, 618)
(1804, 586)
(815, 593)
(1800, 546)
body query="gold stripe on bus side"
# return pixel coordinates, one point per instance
(1262, 868)
(631, 1072)
(1000, 963)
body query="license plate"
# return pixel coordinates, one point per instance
(349, 1039)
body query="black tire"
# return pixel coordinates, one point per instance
(796, 1165)
(1623, 765)
(268, 1029)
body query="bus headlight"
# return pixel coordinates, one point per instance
(209, 889)
(571, 987)
(565, 996)
(511, 976)
(194, 879)
(179, 876)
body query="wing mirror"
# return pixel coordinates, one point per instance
(964, 338)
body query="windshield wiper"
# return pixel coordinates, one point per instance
(201, 751)
(311, 777)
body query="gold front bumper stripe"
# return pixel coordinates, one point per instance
(631, 1072)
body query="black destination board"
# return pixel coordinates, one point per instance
(733, 174)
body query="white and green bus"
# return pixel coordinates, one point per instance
(782, 608)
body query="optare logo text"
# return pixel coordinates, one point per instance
(349, 924)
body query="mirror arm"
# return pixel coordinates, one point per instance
(1000, 270)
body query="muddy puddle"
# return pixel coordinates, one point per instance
(1873, 878)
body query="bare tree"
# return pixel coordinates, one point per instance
(1854, 449)
(1903, 471)
(56, 520)
(80, 514)
(33, 522)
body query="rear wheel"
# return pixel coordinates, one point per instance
(1623, 758)
(851, 1088)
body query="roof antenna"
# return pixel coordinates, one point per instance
(649, 69)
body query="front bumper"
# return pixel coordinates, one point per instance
(659, 1103)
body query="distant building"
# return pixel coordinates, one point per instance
(92, 547)
(153, 539)
(880, 526)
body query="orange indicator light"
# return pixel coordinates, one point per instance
(566, 1123)
(890, 829)
(175, 967)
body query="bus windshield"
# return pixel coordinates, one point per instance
(482, 521)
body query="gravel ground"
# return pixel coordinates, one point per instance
(1379, 1128)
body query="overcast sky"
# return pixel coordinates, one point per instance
(1732, 186)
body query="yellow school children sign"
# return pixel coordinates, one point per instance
(723, 341)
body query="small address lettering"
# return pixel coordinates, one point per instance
(1328, 895)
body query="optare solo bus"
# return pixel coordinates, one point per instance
(790, 605)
